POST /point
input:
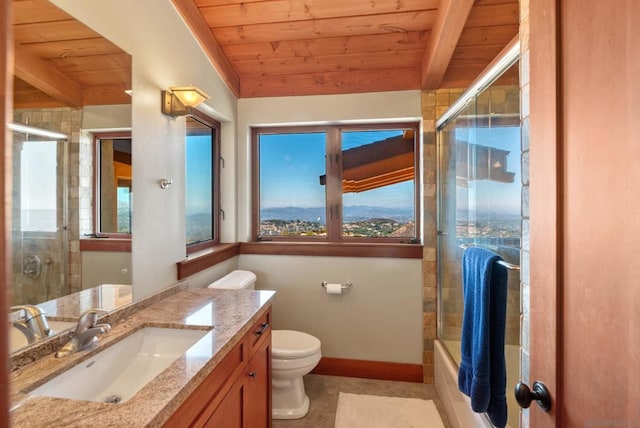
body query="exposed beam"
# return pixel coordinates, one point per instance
(107, 94)
(46, 77)
(452, 16)
(201, 31)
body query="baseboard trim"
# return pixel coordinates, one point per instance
(369, 369)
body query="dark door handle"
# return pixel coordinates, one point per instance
(540, 393)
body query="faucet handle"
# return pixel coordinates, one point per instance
(28, 311)
(88, 319)
(34, 318)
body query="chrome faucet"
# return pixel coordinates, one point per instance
(32, 322)
(86, 333)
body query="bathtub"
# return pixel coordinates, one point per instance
(456, 404)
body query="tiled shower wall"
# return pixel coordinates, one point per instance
(434, 103)
(66, 121)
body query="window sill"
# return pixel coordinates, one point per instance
(204, 259)
(333, 249)
(106, 244)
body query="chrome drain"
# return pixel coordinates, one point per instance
(113, 399)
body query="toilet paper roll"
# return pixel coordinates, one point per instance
(334, 288)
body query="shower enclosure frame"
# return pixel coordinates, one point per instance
(457, 407)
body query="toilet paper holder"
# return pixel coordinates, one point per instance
(345, 286)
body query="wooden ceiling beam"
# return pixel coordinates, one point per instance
(212, 48)
(451, 19)
(231, 15)
(47, 78)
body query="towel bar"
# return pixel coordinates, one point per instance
(509, 266)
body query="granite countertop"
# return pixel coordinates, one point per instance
(226, 314)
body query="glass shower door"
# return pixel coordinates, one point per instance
(479, 200)
(39, 235)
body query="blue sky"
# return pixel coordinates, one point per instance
(198, 158)
(291, 164)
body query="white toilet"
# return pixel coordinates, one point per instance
(293, 355)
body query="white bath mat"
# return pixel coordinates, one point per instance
(373, 411)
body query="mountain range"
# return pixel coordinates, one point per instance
(351, 213)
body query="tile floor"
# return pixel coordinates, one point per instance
(323, 393)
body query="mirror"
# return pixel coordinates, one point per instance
(67, 79)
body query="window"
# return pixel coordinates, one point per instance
(38, 181)
(113, 183)
(336, 183)
(202, 181)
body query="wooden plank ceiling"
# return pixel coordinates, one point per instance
(62, 62)
(308, 47)
(273, 47)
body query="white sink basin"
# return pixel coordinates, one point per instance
(117, 373)
(18, 340)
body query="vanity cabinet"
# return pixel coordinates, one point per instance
(237, 393)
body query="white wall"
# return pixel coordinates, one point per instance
(164, 54)
(381, 318)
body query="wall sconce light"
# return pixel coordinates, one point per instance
(178, 101)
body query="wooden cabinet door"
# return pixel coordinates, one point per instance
(229, 413)
(257, 405)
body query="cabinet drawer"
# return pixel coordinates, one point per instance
(259, 330)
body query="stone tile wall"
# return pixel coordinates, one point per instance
(434, 103)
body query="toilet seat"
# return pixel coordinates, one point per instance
(290, 344)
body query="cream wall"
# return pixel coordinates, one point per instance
(110, 117)
(105, 267)
(164, 54)
(381, 318)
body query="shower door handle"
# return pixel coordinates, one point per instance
(540, 393)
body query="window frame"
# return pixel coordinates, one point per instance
(333, 191)
(95, 201)
(207, 120)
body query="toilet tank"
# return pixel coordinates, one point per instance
(236, 280)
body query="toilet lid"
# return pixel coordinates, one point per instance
(293, 344)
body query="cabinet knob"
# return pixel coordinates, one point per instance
(253, 375)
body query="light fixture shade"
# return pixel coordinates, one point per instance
(190, 96)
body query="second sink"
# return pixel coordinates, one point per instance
(120, 371)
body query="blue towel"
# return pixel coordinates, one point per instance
(482, 374)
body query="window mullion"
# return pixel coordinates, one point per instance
(334, 185)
